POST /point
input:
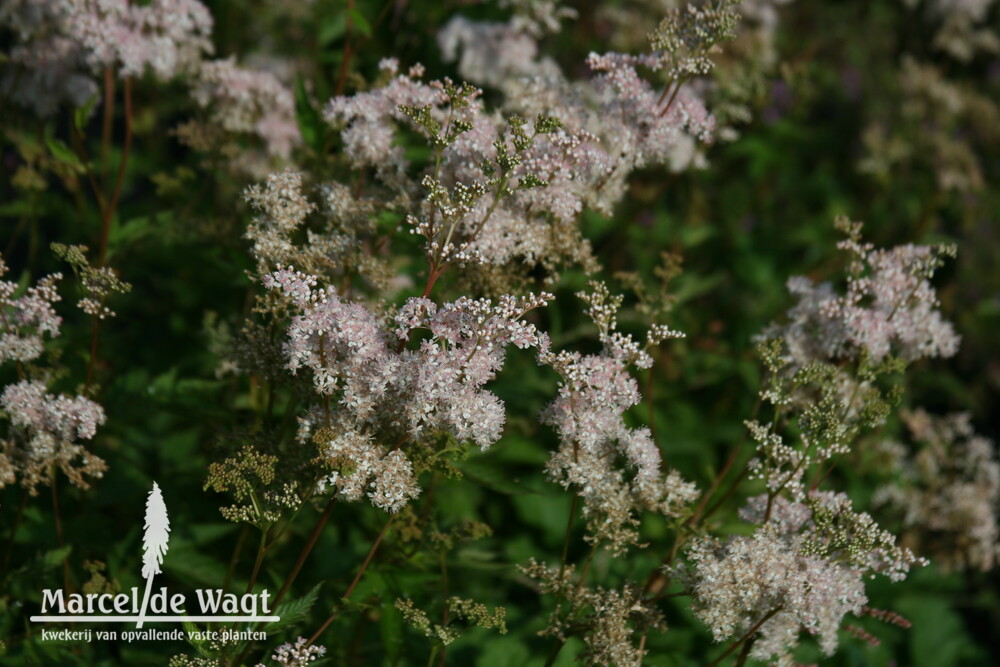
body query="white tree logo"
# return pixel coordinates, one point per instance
(154, 542)
(215, 604)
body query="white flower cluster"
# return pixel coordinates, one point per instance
(410, 393)
(45, 433)
(889, 306)
(802, 569)
(948, 491)
(588, 414)
(26, 318)
(246, 101)
(45, 429)
(299, 654)
(62, 44)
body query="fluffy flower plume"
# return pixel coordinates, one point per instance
(241, 102)
(409, 394)
(594, 394)
(299, 654)
(947, 491)
(889, 306)
(25, 319)
(62, 44)
(46, 430)
(803, 568)
(520, 209)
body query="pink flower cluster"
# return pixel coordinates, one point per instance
(588, 415)
(166, 37)
(45, 432)
(737, 584)
(61, 44)
(245, 101)
(889, 306)
(802, 569)
(610, 126)
(947, 490)
(26, 318)
(45, 429)
(412, 394)
(368, 119)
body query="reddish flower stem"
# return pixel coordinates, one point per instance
(749, 633)
(306, 550)
(109, 211)
(354, 583)
(345, 63)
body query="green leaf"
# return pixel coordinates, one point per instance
(203, 533)
(310, 122)
(61, 152)
(503, 652)
(293, 611)
(359, 22)
(129, 232)
(200, 645)
(82, 114)
(942, 640)
(332, 28)
(54, 558)
(193, 567)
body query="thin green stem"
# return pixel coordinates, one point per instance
(741, 659)
(434, 652)
(306, 550)
(445, 592)
(109, 116)
(345, 62)
(57, 514)
(109, 211)
(569, 533)
(680, 83)
(729, 494)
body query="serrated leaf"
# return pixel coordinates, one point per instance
(295, 610)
